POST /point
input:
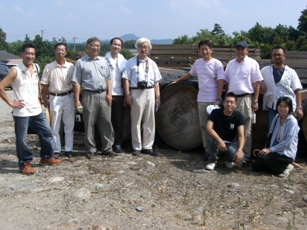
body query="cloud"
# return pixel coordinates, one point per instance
(125, 9)
(18, 9)
(1, 7)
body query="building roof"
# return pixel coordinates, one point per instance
(5, 56)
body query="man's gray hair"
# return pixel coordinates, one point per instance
(92, 39)
(142, 40)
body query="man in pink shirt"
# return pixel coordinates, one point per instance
(243, 77)
(210, 73)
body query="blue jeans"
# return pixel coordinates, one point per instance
(213, 149)
(41, 127)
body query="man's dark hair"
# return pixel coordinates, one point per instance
(60, 44)
(205, 42)
(27, 45)
(231, 94)
(117, 39)
(288, 101)
(278, 47)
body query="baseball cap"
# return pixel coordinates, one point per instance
(242, 43)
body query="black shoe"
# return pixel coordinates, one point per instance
(68, 154)
(90, 155)
(136, 153)
(117, 149)
(56, 155)
(246, 164)
(151, 152)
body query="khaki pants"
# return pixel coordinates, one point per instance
(143, 113)
(244, 106)
(203, 117)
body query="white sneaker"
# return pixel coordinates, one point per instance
(287, 171)
(210, 166)
(229, 164)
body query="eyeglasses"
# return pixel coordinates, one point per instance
(277, 55)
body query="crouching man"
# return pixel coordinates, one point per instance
(225, 128)
(27, 111)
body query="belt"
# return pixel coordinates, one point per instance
(61, 94)
(94, 91)
(148, 87)
(243, 95)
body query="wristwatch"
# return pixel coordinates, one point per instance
(219, 99)
(255, 101)
(299, 107)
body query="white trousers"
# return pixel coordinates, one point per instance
(143, 116)
(62, 106)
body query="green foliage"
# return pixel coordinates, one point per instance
(217, 30)
(302, 25)
(3, 44)
(126, 53)
(129, 44)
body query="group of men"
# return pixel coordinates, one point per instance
(108, 83)
(227, 131)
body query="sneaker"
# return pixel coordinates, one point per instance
(26, 169)
(210, 166)
(117, 149)
(56, 155)
(49, 161)
(229, 164)
(136, 153)
(287, 171)
(68, 154)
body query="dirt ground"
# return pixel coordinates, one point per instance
(127, 192)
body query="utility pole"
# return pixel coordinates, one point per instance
(74, 38)
(42, 33)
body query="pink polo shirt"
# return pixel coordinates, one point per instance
(242, 76)
(208, 72)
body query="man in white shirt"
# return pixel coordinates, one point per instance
(27, 111)
(58, 97)
(142, 93)
(117, 64)
(243, 77)
(280, 80)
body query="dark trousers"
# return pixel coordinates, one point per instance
(272, 163)
(117, 118)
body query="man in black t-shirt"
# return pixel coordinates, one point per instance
(225, 128)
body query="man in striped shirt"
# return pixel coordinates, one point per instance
(210, 73)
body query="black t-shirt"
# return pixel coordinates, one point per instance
(226, 126)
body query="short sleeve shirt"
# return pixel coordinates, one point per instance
(242, 76)
(208, 72)
(58, 77)
(136, 74)
(226, 126)
(92, 74)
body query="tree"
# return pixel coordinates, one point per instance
(282, 31)
(184, 39)
(129, 44)
(3, 44)
(302, 25)
(217, 30)
(126, 53)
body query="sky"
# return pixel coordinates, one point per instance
(153, 19)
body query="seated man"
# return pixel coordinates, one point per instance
(226, 133)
